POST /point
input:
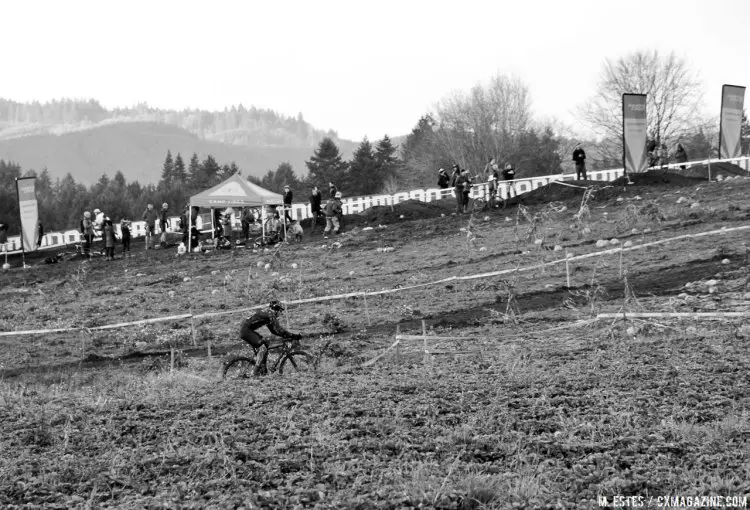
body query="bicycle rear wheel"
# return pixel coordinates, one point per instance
(478, 204)
(238, 367)
(296, 361)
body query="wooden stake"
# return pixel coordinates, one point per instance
(426, 354)
(620, 262)
(398, 346)
(567, 271)
(192, 327)
(367, 311)
(171, 359)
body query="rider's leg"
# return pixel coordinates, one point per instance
(260, 360)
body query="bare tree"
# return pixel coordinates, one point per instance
(674, 96)
(484, 123)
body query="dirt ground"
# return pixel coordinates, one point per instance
(532, 404)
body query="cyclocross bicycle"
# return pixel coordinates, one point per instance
(282, 355)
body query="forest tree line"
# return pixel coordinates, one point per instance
(235, 125)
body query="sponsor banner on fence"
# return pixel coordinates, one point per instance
(634, 132)
(26, 187)
(732, 100)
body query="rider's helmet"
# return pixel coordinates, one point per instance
(276, 306)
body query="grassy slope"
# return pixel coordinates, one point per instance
(535, 419)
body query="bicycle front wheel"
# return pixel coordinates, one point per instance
(296, 361)
(238, 367)
(478, 204)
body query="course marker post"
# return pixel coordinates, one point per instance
(367, 311)
(192, 327)
(426, 354)
(567, 272)
(398, 346)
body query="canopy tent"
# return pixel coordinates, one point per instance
(234, 192)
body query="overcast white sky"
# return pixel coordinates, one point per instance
(358, 68)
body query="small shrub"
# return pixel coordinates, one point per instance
(333, 323)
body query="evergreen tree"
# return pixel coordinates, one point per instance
(386, 159)
(234, 169)
(326, 165)
(364, 171)
(745, 134)
(210, 172)
(167, 172)
(194, 172)
(179, 174)
(284, 175)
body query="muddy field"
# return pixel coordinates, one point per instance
(538, 406)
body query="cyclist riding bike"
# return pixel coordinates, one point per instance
(270, 319)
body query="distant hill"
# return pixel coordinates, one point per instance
(138, 150)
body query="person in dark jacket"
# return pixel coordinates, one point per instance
(315, 199)
(39, 233)
(108, 234)
(333, 210)
(466, 190)
(125, 231)
(288, 195)
(458, 188)
(3, 236)
(680, 156)
(248, 218)
(163, 223)
(509, 174)
(150, 216)
(579, 157)
(218, 228)
(332, 189)
(270, 319)
(443, 179)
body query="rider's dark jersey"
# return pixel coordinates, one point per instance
(264, 318)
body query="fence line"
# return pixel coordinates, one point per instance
(354, 205)
(360, 293)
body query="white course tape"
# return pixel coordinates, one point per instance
(386, 291)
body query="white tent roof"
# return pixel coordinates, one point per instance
(236, 191)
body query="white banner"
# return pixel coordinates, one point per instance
(730, 125)
(26, 187)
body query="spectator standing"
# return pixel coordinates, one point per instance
(466, 189)
(98, 220)
(227, 225)
(579, 157)
(4, 236)
(164, 223)
(125, 231)
(218, 229)
(663, 156)
(680, 156)
(315, 199)
(333, 210)
(458, 188)
(150, 216)
(332, 190)
(247, 219)
(87, 230)
(288, 195)
(509, 174)
(39, 233)
(108, 233)
(443, 179)
(492, 187)
(338, 198)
